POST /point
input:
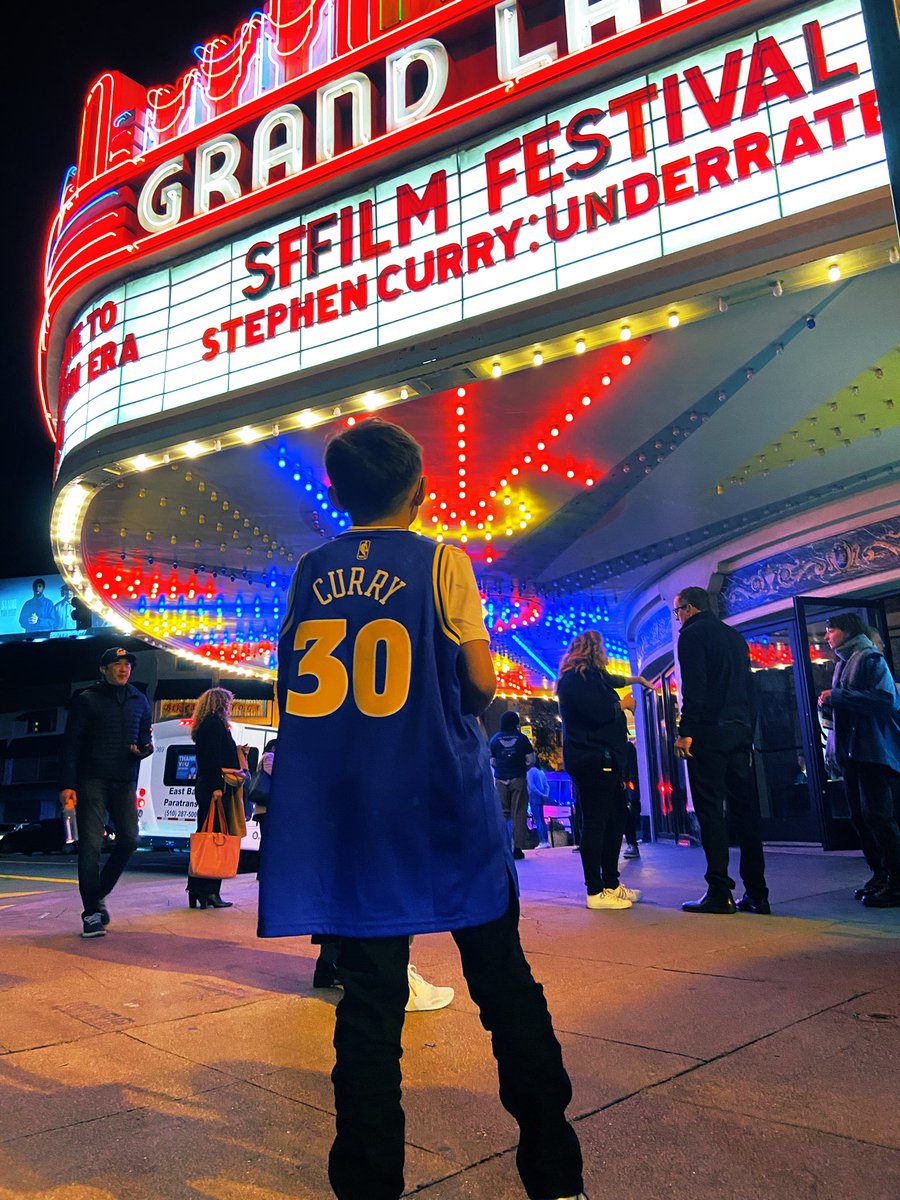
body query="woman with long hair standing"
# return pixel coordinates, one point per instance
(216, 749)
(594, 742)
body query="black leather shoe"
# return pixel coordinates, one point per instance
(755, 904)
(713, 902)
(875, 884)
(888, 897)
(518, 854)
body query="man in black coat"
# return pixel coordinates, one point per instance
(715, 738)
(107, 734)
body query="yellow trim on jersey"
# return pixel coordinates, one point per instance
(438, 579)
(289, 610)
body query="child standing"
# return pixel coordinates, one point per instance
(383, 666)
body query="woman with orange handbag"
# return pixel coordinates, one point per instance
(219, 762)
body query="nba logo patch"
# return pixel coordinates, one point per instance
(363, 551)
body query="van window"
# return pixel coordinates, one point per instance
(181, 765)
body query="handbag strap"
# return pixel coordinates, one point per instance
(216, 809)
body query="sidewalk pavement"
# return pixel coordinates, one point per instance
(729, 1058)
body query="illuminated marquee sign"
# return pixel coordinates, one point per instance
(737, 136)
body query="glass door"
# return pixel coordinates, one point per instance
(787, 808)
(817, 669)
(668, 798)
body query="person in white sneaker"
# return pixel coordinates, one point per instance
(595, 741)
(423, 996)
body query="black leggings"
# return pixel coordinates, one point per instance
(602, 810)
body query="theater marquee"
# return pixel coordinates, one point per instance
(737, 136)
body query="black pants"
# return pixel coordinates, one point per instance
(719, 771)
(96, 798)
(870, 794)
(366, 1160)
(633, 822)
(602, 810)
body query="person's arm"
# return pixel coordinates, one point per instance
(143, 748)
(692, 661)
(476, 673)
(624, 681)
(530, 756)
(74, 735)
(465, 618)
(877, 698)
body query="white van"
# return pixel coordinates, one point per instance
(167, 812)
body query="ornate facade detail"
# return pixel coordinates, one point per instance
(653, 635)
(851, 556)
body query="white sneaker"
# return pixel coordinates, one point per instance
(632, 894)
(608, 899)
(424, 996)
(543, 845)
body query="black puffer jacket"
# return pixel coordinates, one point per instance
(104, 721)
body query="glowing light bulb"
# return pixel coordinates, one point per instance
(625, 333)
(580, 346)
(585, 400)
(834, 272)
(673, 320)
(606, 380)
(626, 360)
(537, 358)
(496, 370)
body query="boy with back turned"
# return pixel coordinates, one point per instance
(383, 667)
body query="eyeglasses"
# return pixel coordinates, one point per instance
(680, 608)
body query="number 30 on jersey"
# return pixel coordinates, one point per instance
(321, 638)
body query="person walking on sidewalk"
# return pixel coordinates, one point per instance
(107, 734)
(864, 744)
(511, 756)
(594, 741)
(715, 739)
(383, 666)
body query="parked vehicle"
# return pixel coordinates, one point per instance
(165, 792)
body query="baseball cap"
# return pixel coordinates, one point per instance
(116, 654)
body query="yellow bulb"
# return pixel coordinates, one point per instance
(625, 333)
(537, 358)
(496, 370)
(834, 272)
(580, 347)
(674, 320)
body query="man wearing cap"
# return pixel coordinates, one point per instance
(107, 734)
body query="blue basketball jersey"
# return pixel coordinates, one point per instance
(382, 817)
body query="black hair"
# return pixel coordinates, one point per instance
(36, 582)
(509, 721)
(371, 467)
(697, 597)
(848, 623)
(269, 747)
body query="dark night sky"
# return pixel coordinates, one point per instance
(50, 78)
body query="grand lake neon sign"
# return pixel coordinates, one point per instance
(696, 151)
(349, 111)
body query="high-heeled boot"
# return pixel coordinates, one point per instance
(195, 900)
(216, 901)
